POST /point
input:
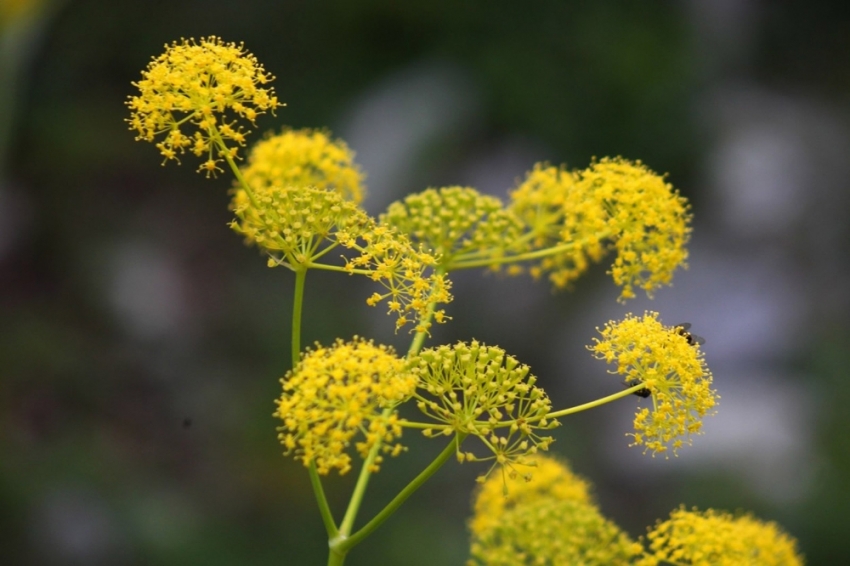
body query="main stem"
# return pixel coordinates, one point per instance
(340, 544)
(315, 480)
(345, 544)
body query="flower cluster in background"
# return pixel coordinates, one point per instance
(547, 519)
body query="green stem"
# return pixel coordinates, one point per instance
(577, 408)
(362, 482)
(328, 267)
(419, 338)
(513, 258)
(225, 152)
(338, 545)
(597, 403)
(315, 480)
(336, 558)
(345, 544)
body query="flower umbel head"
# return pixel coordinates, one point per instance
(297, 223)
(715, 538)
(339, 393)
(193, 96)
(548, 477)
(613, 204)
(453, 221)
(304, 158)
(407, 274)
(647, 220)
(549, 519)
(663, 360)
(478, 390)
(557, 215)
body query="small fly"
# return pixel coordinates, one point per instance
(693, 339)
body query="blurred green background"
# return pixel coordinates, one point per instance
(141, 343)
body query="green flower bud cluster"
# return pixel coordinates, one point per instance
(455, 221)
(297, 224)
(478, 390)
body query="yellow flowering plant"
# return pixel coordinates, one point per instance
(297, 198)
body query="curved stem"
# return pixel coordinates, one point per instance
(225, 152)
(576, 409)
(345, 544)
(338, 548)
(597, 403)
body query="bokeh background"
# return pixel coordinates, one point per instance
(141, 343)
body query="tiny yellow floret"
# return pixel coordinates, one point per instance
(574, 218)
(663, 360)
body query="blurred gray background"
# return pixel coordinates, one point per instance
(141, 343)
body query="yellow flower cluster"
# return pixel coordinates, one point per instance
(297, 224)
(547, 520)
(664, 361)
(338, 393)
(304, 158)
(558, 215)
(713, 538)
(549, 478)
(613, 203)
(647, 220)
(455, 221)
(478, 390)
(412, 286)
(187, 86)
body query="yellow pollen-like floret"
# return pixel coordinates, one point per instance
(613, 204)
